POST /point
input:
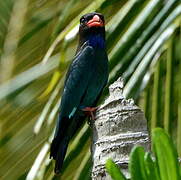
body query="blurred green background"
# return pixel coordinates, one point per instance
(38, 39)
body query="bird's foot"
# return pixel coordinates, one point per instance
(90, 111)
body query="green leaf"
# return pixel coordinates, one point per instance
(114, 170)
(151, 168)
(136, 165)
(166, 155)
(134, 31)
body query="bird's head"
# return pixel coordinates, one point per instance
(91, 24)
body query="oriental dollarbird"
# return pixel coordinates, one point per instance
(85, 80)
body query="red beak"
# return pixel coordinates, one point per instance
(95, 21)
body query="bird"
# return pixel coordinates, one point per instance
(85, 80)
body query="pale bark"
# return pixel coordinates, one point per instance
(119, 125)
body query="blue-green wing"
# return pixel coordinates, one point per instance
(77, 81)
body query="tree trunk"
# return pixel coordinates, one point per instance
(119, 126)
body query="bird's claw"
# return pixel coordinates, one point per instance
(90, 111)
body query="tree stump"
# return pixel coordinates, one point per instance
(119, 125)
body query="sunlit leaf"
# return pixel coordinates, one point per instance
(166, 155)
(114, 170)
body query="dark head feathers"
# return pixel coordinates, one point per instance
(91, 24)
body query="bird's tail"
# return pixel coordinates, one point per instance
(58, 151)
(62, 136)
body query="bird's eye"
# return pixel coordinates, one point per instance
(82, 20)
